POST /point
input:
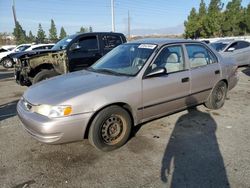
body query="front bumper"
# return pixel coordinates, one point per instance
(21, 75)
(56, 130)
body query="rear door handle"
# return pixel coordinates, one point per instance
(185, 79)
(217, 72)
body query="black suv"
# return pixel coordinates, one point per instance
(70, 54)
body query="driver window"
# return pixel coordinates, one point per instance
(234, 45)
(171, 58)
(87, 43)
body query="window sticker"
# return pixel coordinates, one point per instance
(147, 46)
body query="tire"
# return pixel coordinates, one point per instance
(43, 75)
(110, 129)
(7, 63)
(217, 97)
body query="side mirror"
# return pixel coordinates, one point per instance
(231, 49)
(74, 47)
(157, 72)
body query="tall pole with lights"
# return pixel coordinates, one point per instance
(113, 15)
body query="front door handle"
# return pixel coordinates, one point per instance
(185, 79)
(217, 72)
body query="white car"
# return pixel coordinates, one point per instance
(7, 48)
(40, 47)
(19, 48)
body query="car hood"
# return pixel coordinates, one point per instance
(61, 88)
(28, 54)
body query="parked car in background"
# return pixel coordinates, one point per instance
(237, 49)
(134, 83)
(7, 48)
(4, 60)
(32, 50)
(70, 54)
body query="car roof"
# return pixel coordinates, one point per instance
(107, 33)
(38, 45)
(163, 41)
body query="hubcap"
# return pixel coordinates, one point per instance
(219, 94)
(8, 63)
(112, 129)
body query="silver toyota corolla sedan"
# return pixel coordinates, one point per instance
(134, 83)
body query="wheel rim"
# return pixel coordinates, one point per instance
(220, 94)
(7, 63)
(112, 129)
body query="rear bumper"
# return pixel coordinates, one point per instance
(56, 130)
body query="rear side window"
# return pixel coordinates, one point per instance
(111, 41)
(242, 44)
(199, 55)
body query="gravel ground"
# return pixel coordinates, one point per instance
(192, 148)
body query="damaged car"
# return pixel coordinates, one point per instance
(70, 54)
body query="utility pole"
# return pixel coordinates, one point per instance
(128, 26)
(113, 15)
(14, 12)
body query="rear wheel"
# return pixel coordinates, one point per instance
(217, 97)
(43, 75)
(110, 129)
(7, 63)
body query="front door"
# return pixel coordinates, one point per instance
(166, 93)
(83, 53)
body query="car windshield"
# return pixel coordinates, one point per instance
(126, 59)
(219, 46)
(22, 48)
(62, 44)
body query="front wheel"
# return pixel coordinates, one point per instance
(110, 129)
(217, 98)
(43, 75)
(7, 63)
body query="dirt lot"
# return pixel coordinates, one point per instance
(193, 148)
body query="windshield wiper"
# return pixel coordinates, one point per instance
(108, 71)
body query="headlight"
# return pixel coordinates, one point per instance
(15, 60)
(53, 111)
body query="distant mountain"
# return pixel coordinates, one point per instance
(179, 29)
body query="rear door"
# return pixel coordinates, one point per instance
(166, 93)
(84, 52)
(204, 69)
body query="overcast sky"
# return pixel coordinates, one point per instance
(72, 14)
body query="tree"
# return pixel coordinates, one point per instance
(63, 33)
(83, 30)
(202, 18)
(19, 34)
(247, 18)
(53, 32)
(233, 17)
(40, 34)
(191, 25)
(214, 19)
(31, 37)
